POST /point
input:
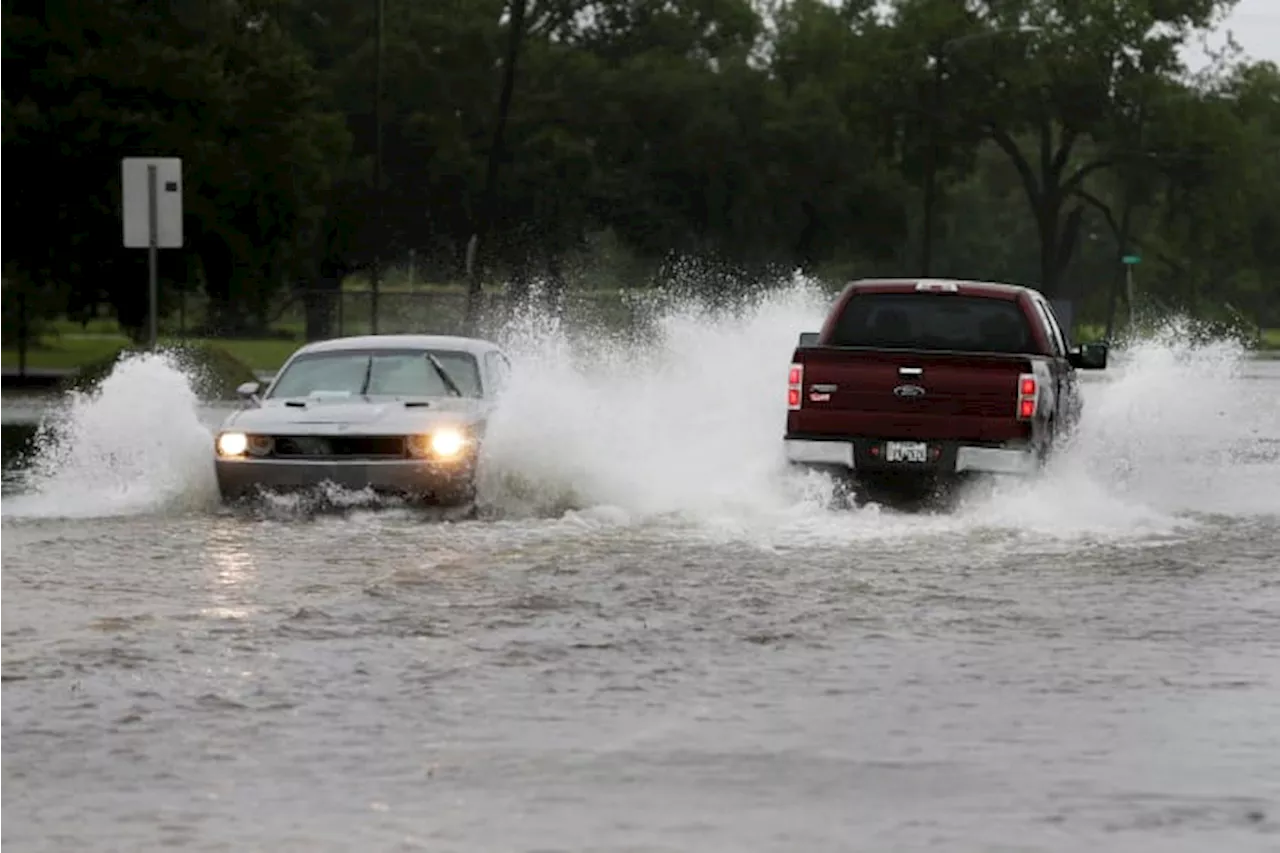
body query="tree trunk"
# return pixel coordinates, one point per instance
(320, 303)
(1047, 193)
(474, 293)
(225, 314)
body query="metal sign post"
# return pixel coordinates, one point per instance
(1130, 261)
(152, 208)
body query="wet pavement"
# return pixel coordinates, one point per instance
(377, 682)
(641, 662)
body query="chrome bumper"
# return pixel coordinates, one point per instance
(996, 460)
(239, 477)
(984, 460)
(820, 452)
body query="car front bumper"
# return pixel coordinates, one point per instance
(243, 476)
(867, 455)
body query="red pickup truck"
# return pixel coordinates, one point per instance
(919, 383)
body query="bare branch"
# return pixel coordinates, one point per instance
(1069, 136)
(1076, 181)
(1010, 148)
(1068, 237)
(1102, 207)
(1046, 141)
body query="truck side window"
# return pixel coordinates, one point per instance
(1051, 324)
(1062, 333)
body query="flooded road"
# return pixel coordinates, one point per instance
(656, 639)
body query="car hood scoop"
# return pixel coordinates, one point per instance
(357, 410)
(333, 412)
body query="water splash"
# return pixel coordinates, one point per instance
(686, 421)
(134, 444)
(678, 422)
(686, 424)
(1184, 424)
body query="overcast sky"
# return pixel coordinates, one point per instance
(1255, 24)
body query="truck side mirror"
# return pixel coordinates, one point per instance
(808, 339)
(1088, 356)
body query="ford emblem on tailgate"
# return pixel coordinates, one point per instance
(908, 391)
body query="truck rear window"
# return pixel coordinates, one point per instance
(933, 322)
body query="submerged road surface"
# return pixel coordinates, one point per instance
(637, 656)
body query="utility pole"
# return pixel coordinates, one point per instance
(1130, 261)
(931, 167)
(24, 329)
(474, 288)
(379, 224)
(1122, 241)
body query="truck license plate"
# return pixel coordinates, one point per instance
(906, 451)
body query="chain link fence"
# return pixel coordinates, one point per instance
(319, 314)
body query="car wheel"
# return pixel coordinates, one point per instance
(232, 496)
(458, 494)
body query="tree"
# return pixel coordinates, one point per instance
(216, 85)
(1055, 94)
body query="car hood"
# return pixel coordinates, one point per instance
(306, 416)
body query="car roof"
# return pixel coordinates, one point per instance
(475, 346)
(997, 290)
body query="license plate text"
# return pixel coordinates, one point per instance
(906, 451)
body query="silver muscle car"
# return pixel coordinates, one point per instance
(400, 414)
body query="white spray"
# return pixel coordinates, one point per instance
(684, 427)
(134, 444)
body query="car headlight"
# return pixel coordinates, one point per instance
(441, 443)
(447, 442)
(232, 444)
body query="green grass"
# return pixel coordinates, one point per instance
(214, 373)
(66, 351)
(1088, 332)
(400, 284)
(1268, 339)
(68, 344)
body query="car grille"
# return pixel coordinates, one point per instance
(341, 447)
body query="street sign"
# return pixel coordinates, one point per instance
(151, 201)
(136, 172)
(1130, 260)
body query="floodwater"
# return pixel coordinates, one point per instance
(655, 638)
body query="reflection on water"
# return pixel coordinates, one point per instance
(16, 443)
(230, 571)
(14, 439)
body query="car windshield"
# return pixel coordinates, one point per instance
(927, 321)
(388, 373)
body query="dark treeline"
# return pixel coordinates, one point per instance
(1028, 140)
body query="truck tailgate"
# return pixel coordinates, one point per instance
(908, 394)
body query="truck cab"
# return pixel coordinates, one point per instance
(919, 380)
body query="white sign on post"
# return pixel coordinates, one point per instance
(152, 208)
(137, 202)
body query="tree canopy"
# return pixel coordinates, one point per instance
(1025, 140)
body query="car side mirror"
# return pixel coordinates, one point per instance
(248, 391)
(1088, 356)
(808, 339)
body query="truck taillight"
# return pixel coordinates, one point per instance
(1027, 389)
(794, 380)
